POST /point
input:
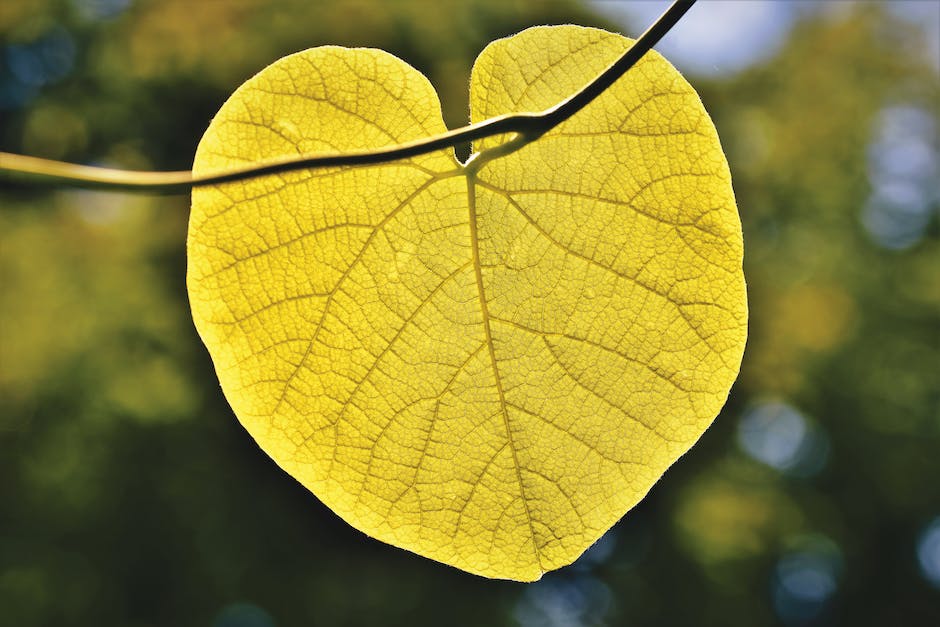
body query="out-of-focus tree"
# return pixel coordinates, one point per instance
(817, 517)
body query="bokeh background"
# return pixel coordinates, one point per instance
(130, 495)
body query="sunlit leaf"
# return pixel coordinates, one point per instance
(488, 368)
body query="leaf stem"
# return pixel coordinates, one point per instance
(529, 125)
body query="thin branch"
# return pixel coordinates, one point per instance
(530, 125)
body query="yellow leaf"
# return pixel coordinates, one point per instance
(486, 365)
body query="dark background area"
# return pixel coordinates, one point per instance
(131, 495)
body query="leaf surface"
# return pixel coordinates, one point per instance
(485, 365)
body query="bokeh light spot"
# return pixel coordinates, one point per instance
(757, 28)
(564, 602)
(95, 10)
(598, 553)
(776, 434)
(903, 169)
(805, 579)
(243, 615)
(928, 552)
(46, 60)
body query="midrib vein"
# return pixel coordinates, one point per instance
(484, 309)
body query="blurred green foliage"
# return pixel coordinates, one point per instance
(131, 496)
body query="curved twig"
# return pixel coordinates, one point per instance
(530, 125)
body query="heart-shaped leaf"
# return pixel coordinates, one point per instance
(489, 364)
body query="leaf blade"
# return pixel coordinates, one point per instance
(602, 220)
(368, 324)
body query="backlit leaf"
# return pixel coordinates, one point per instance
(486, 366)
